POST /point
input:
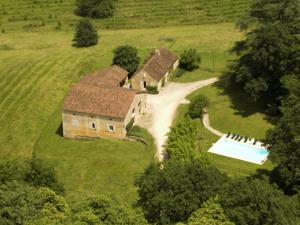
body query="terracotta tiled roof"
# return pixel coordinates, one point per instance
(110, 77)
(159, 63)
(100, 94)
(110, 102)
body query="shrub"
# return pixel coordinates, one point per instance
(152, 90)
(179, 72)
(127, 57)
(85, 35)
(196, 108)
(190, 59)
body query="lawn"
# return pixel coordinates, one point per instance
(229, 111)
(96, 166)
(36, 72)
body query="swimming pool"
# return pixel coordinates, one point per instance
(240, 150)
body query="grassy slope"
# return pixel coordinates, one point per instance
(130, 13)
(229, 111)
(36, 71)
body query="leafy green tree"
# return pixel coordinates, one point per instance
(181, 144)
(285, 140)
(190, 59)
(255, 201)
(210, 213)
(21, 203)
(104, 210)
(42, 175)
(171, 194)
(270, 51)
(196, 108)
(127, 57)
(85, 35)
(35, 173)
(95, 8)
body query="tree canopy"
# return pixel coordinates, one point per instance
(270, 51)
(285, 140)
(255, 201)
(95, 8)
(190, 59)
(85, 34)
(126, 56)
(171, 194)
(210, 213)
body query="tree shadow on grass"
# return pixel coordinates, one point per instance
(241, 102)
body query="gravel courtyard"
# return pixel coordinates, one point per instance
(162, 110)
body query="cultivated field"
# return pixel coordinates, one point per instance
(36, 71)
(29, 14)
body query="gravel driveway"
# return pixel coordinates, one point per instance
(162, 110)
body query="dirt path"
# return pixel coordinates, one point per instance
(206, 124)
(162, 110)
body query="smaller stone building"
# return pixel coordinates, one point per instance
(156, 70)
(101, 105)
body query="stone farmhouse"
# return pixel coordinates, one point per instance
(102, 104)
(156, 70)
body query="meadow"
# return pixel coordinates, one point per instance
(37, 69)
(29, 14)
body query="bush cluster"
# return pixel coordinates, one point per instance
(196, 108)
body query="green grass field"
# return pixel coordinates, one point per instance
(36, 71)
(230, 111)
(96, 166)
(45, 14)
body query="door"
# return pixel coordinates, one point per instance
(143, 84)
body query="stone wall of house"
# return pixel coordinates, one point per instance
(137, 109)
(142, 76)
(81, 125)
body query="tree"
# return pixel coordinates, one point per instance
(95, 8)
(270, 51)
(42, 175)
(104, 210)
(196, 108)
(255, 201)
(210, 213)
(181, 144)
(285, 140)
(85, 35)
(171, 194)
(35, 173)
(21, 203)
(127, 57)
(190, 59)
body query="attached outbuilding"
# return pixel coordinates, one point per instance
(102, 105)
(156, 70)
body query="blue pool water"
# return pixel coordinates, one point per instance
(240, 150)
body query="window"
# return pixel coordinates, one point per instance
(93, 125)
(111, 128)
